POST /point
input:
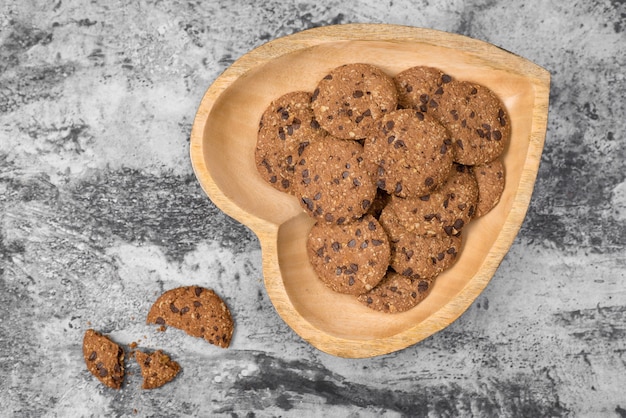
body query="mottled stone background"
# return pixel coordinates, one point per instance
(100, 212)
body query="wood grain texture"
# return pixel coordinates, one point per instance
(222, 146)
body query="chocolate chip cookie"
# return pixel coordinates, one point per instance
(477, 120)
(351, 97)
(157, 368)
(490, 180)
(445, 211)
(420, 87)
(104, 358)
(198, 311)
(396, 293)
(412, 152)
(350, 258)
(423, 257)
(333, 181)
(286, 127)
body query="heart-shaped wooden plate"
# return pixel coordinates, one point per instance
(223, 141)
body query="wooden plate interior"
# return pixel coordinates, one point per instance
(336, 323)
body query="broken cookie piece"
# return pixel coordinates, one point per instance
(156, 368)
(198, 311)
(104, 358)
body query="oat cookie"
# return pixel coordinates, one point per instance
(350, 258)
(198, 311)
(351, 97)
(157, 368)
(104, 358)
(423, 257)
(477, 120)
(396, 293)
(420, 87)
(490, 180)
(445, 211)
(333, 181)
(412, 152)
(286, 127)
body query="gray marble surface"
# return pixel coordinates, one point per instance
(100, 212)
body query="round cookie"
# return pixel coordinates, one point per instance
(333, 180)
(104, 358)
(350, 258)
(422, 257)
(396, 293)
(420, 87)
(477, 120)
(286, 127)
(490, 180)
(445, 211)
(351, 97)
(412, 151)
(198, 311)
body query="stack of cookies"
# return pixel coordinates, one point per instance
(391, 169)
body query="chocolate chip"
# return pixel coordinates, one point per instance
(439, 91)
(398, 188)
(317, 196)
(433, 104)
(429, 181)
(336, 246)
(409, 254)
(184, 310)
(329, 217)
(328, 77)
(446, 78)
(345, 174)
(391, 139)
(356, 182)
(365, 204)
(425, 198)
(440, 256)
(380, 184)
(320, 252)
(443, 149)
(371, 226)
(357, 93)
(338, 271)
(103, 372)
(367, 112)
(376, 242)
(351, 243)
(92, 356)
(308, 202)
(413, 295)
(341, 220)
(474, 90)
(315, 124)
(448, 229)
(422, 286)
(351, 281)
(497, 135)
(420, 115)
(399, 144)
(459, 143)
(316, 93)
(284, 115)
(369, 300)
(408, 88)
(424, 98)
(160, 321)
(301, 147)
(197, 304)
(458, 224)
(408, 272)
(284, 183)
(173, 308)
(364, 244)
(390, 124)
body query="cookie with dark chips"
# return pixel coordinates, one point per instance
(412, 152)
(157, 368)
(333, 181)
(477, 120)
(490, 180)
(420, 87)
(396, 293)
(350, 258)
(445, 211)
(104, 358)
(198, 311)
(423, 257)
(351, 97)
(286, 127)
